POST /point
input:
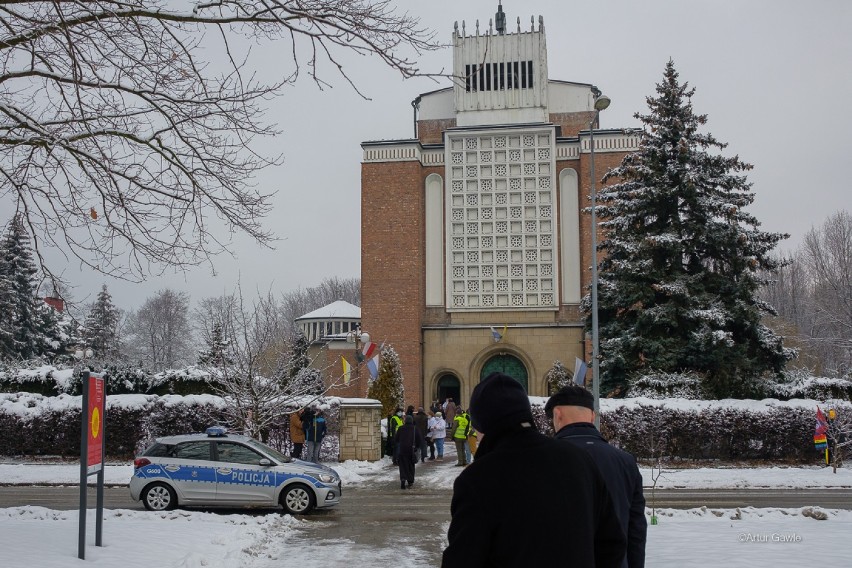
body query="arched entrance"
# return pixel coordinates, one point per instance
(449, 386)
(508, 364)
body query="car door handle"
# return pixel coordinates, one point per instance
(224, 470)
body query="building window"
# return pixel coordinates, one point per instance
(498, 76)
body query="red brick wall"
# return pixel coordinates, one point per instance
(603, 162)
(393, 262)
(572, 122)
(432, 131)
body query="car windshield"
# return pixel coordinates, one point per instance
(270, 451)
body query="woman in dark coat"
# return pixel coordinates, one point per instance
(408, 438)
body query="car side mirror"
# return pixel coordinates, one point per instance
(265, 462)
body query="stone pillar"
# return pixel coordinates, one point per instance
(360, 429)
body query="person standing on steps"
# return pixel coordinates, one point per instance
(430, 441)
(394, 422)
(314, 433)
(297, 434)
(421, 424)
(439, 433)
(458, 433)
(449, 411)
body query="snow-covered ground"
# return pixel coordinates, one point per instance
(35, 536)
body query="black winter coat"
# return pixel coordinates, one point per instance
(530, 500)
(407, 437)
(624, 481)
(421, 424)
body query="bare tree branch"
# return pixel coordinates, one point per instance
(127, 143)
(254, 376)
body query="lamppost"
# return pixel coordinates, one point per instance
(601, 102)
(359, 338)
(83, 354)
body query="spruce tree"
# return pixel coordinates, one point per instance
(28, 331)
(556, 378)
(101, 328)
(7, 311)
(682, 258)
(299, 354)
(388, 388)
(216, 351)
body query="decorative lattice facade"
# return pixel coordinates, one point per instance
(501, 241)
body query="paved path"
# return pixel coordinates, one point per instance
(386, 518)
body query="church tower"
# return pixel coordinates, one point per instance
(475, 247)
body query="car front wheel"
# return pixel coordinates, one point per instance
(159, 497)
(297, 499)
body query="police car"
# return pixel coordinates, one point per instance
(223, 469)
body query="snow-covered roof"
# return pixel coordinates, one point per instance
(338, 309)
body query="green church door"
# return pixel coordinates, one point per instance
(509, 365)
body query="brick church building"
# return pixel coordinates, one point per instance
(476, 226)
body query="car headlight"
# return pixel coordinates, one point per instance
(326, 478)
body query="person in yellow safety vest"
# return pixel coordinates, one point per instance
(471, 439)
(459, 432)
(394, 423)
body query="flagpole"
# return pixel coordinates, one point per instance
(358, 337)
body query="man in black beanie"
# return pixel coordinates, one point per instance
(527, 500)
(571, 409)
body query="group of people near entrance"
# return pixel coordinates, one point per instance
(412, 435)
(583, 504)
(307, 429)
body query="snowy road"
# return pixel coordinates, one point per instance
(362, 499)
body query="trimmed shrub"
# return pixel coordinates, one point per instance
(35, 425)
(729, 430)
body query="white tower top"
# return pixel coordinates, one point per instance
(500, 77)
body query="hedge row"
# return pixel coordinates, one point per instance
(717, 433)
(32, 424)
(35, 425)
(730, 430)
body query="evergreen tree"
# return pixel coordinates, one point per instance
(56, 332)
(299, 354)
(388, 388)
(7, 311)
(308, 381)
(28, 331)
(216, 351)
(556, 378)
(100, 332)
(683, 258)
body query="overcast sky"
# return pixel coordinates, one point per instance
(773, 76)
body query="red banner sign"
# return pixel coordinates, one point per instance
(95, 422)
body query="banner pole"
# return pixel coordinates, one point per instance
(99, 522)
(84, 451)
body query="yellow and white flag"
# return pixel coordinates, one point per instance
(347, 370)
